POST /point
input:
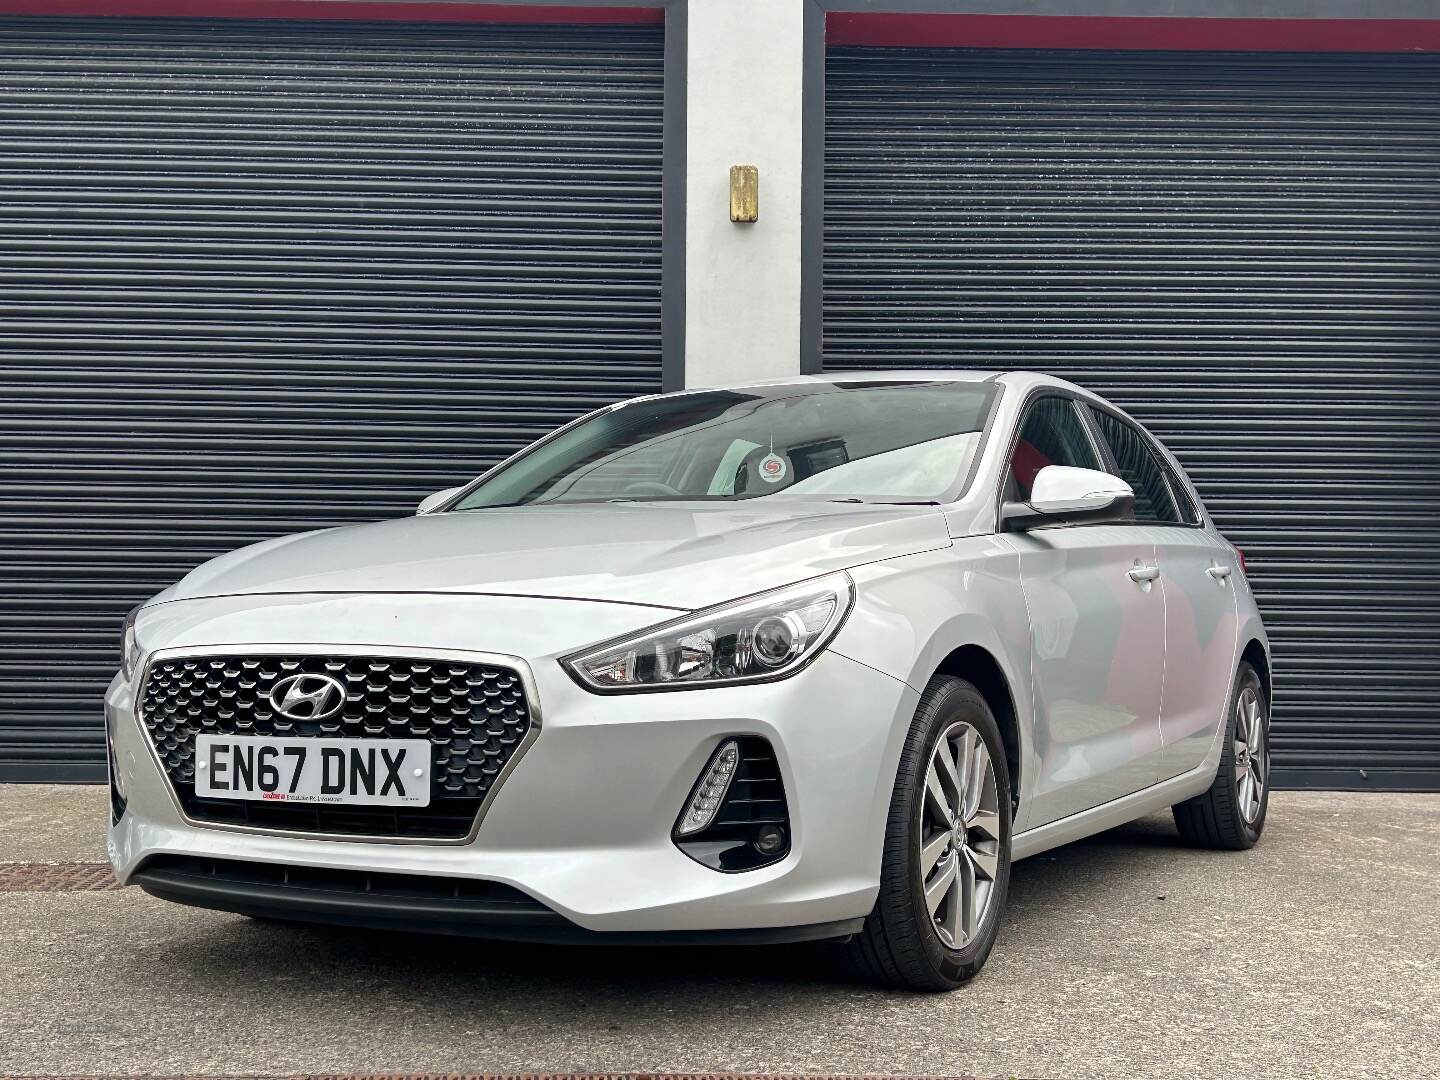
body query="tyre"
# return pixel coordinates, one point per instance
(945, 869)
(1230, 815)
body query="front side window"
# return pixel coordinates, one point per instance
(1052, 433)
(1136, 464)
(890, 441)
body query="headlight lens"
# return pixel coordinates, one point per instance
(764, 637)
(130, 654)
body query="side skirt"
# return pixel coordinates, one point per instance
(1108, 815)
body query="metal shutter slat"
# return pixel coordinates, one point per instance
(259, 277)
(1243, 251)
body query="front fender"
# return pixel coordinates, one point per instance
(912, 612)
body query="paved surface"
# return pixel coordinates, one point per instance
(44, 823)
(1315, 955)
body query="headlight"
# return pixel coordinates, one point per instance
(764, 637)
(130, 654)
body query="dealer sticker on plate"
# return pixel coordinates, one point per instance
(357, 772)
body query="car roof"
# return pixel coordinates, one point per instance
(1022, 381)
(1018, 379)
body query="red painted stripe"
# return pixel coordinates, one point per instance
(1112, 32)
(352, 10)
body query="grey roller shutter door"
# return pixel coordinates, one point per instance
(257, 277)
(1244, 251)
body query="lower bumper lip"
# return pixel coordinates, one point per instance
(267, 891)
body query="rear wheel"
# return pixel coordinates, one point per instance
(946, 864)
(1231, 814)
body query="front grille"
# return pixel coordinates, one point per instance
(474, 715)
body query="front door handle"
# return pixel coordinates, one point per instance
(1144, 573)
(1220, 572)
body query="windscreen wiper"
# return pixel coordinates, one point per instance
(886, 502)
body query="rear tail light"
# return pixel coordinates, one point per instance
(1241, 555)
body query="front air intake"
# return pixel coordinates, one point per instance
(751, 828)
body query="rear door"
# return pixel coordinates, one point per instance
(1197, 581)
(1098, 653)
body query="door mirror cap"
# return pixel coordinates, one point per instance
(1064, 495)
(440, 498)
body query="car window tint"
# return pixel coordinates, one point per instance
(1137, 465)
(1051, 434)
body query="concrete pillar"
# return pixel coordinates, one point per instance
(744, 68)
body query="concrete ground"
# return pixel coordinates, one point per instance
(1317, 954)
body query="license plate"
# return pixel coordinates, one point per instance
(356, 772)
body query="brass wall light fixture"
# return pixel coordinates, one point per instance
(745, 193)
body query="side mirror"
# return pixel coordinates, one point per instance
(1062, 495)
(440, 498)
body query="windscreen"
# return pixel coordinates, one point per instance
(882, 442)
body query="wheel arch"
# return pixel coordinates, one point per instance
(978, 666)
(1258, 656)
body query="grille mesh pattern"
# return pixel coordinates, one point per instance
(475, 716)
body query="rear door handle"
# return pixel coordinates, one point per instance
(1219, 573)
(1144, 573)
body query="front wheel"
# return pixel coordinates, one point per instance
(1230, 815)
(946, 864)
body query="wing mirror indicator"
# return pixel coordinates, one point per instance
(1065, 495)
(440, 498)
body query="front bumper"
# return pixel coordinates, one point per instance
(583, 822)
(433, 905)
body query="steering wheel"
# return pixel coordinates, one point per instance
(650, 487)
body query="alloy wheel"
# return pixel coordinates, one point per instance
(959, 849)
(1252, 761)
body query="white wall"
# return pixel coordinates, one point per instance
(743, 107)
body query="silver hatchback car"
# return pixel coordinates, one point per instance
(804, 660)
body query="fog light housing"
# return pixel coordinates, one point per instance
(736, 817)
(117, 782)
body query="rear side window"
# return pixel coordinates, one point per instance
(1052, 433)
(1137, 465)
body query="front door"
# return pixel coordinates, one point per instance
(1197, 577)
(1097, 620)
